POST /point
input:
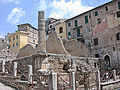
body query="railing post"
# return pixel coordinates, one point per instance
(30, 78)
(98, 80)
(53, 81)
(114, 74)
(3, 66)
(72, 80)
(15, 69)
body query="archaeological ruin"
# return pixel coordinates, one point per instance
(54, 65)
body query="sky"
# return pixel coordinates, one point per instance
(15, 12)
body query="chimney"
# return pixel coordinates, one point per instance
(41, 32)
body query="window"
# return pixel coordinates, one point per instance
(17, 37)
(119, 5)
(118, 14)
(118, 36)
(13, 38)
(96, 41)
(9, 40)
(50, 26)
(69, 25)
(106, 8)
(76, 24)
(78, 33)
(96, 55)
(16, 44)
(8, 46)
(69, 35)
(99, 20)
(61, 30)
(113, 48)
(96, 13)
(13, 45)
(83, 41)
(90, 16)
(86, 19)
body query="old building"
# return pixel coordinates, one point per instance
(53, 23)
(61, 30)
(106, 42)
(47, 22)
(32, 33)
(80, 27)
(17, 40)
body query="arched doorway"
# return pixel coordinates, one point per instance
(107, 60)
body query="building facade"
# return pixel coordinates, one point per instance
(17, 41)
(53, 23)
(61, 30)
(47, 22)
(80, 27)
(32, 33)
(106, 42)
(99, 29)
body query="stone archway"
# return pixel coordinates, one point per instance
(107, 60)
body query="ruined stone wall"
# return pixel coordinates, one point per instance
(76, 48)
(55, 62)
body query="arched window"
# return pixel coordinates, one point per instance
(107, 60)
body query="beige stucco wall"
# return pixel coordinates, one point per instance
(22, 41)
(63, 34)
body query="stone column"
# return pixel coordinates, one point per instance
(72, 80)
(30, 79)
(3, 66)
(98, 80)
(15, 69)
(53, 81)
(114, 74)
(41, 32)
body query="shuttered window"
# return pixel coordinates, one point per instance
(86, 19)
(78, 33)
(76, 23)
(96, 13)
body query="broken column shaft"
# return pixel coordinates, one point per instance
(41, 32)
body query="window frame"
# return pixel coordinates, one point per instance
(78, 32)
(76, 23)
(60, 30)
(86, 19)
(96, 13)
(95, 41)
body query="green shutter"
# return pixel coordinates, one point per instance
(69, 33)
(76, 24)
(106, 8)
(96, 13)
(78, 33)
(86, 19)
(119, 5)
(68, 24)
(17, 37)
(16, 43)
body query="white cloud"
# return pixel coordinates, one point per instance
(41, 5)
(9, 1)
(15, 14)
(63, 9)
